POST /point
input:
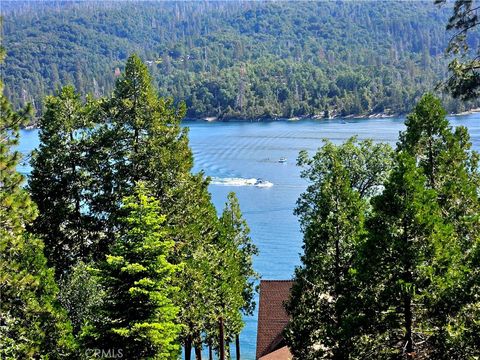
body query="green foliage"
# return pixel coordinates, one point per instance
(16, 208)
(235, 59)
(196, 229)
(234, 275)
(80, 295)
(91, 156)
(408, 256)
(59, 180)
(367, 164)
(464, 81)
(32, 325)
(427, 128)
(139, 138)
(406, 234)
(416, 267)
(137, 314)
(235, 234)
(323, 303)
(446, 157)
(142, 140)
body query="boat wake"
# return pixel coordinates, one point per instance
(240, 182)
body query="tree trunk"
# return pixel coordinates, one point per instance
(221, 340)
(210, 352)
(188, 348)
(431, 163)
(198, 352)
(338, 313)
(237, 346)
(408, 325)
(407, 298)
(228, 354)
(76, 196)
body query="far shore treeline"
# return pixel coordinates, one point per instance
(237, 59)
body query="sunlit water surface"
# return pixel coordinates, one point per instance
(237, 154)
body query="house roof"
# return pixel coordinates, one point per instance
(272, 318)
(280, 354)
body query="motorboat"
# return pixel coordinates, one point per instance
(262, 183)
(282, 160)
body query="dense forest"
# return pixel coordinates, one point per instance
(235, 59)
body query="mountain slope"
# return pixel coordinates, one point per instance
(234, 59)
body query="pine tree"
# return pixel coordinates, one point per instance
(32, 325)
(452, 168)
(425, 136)
(332, 211)
(196, 232)
(59, 183)
(397, 264)
(140, 139)
(92, 155)
(236, 233)
(137, 317)
(450, 165)
(234, 274)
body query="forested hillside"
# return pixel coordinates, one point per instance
(235, 59)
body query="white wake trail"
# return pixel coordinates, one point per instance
(240, 182)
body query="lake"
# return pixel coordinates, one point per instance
(236, 153)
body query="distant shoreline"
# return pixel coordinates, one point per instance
(468, 112)
(299, 118)
(318, 117)
(295, 118)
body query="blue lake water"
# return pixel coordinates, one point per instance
(234, 152)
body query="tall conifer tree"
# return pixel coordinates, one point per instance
(418, 263)
(139, 139)
(32, 325)
(91, 157)
(446, 157)
(59, 183)
(332, 211)
(406, 235)
(233, 273)
(138, 317)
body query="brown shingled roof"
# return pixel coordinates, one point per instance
(280, 354)
(272, 317)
